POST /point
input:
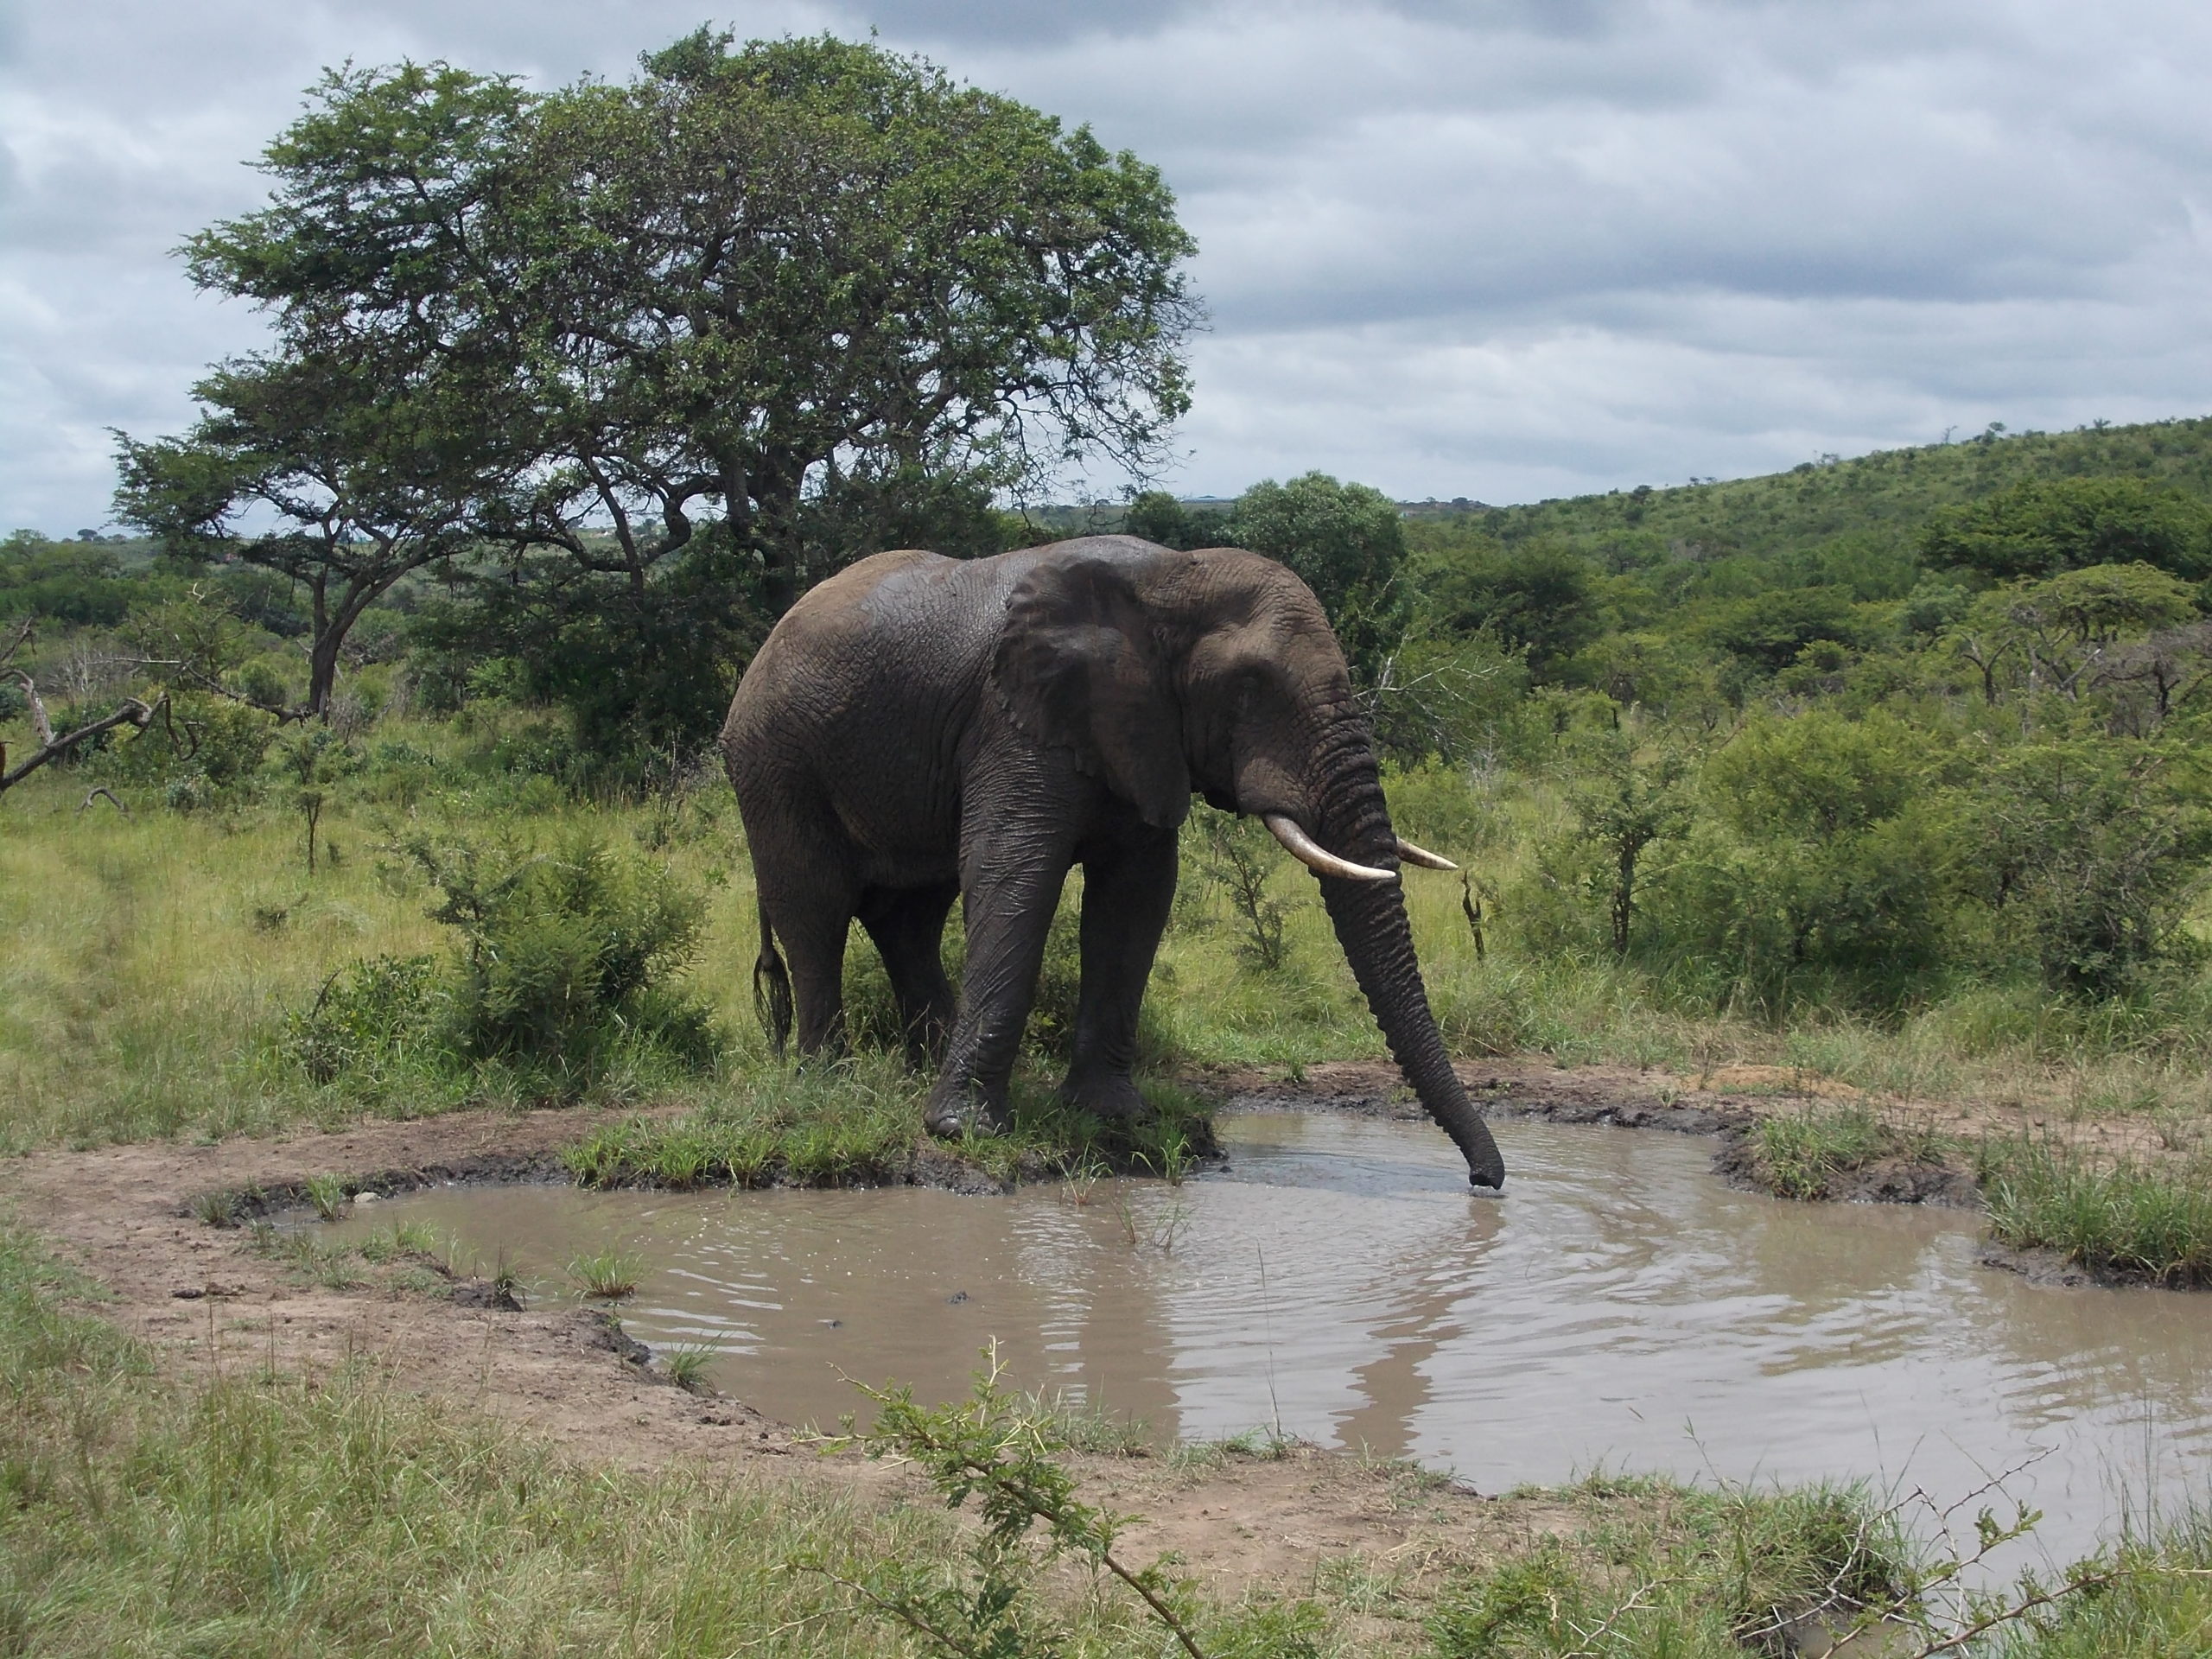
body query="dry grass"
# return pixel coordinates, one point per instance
(152, 961)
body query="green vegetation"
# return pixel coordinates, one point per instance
(995, 1448)
(609, 1276)
(517, 343)
(1688, 1572)
(859, 1121)
(1802, 1155)
(257, 1515)
(2129, 1219)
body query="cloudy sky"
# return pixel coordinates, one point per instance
(1502, 249)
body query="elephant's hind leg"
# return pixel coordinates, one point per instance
(813, 933)
(908, 927)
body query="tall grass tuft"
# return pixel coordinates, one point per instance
(2131, 1219)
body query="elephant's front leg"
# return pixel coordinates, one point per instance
(1126, 895)
(1011, 888)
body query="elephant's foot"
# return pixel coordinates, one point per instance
(956, 1117)
(1111, 1095)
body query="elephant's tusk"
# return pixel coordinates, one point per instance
(1423, 857)
(1310, 852)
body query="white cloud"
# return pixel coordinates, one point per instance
(1501, 248)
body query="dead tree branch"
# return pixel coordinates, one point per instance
(133, 712)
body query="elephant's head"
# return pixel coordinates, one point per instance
(1216, 671)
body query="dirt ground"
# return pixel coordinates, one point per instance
(205, 1300)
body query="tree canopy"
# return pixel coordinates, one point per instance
(754, 307)
(2042, 526)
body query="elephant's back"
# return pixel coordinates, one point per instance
(883, 614)
(859, 699)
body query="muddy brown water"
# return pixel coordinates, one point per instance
(1619, 1307)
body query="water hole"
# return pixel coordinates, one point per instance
(1620, 1308)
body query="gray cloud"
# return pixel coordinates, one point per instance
(1504, 248)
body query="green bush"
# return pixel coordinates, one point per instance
(570, 961)
(1819, 867)
(2095, 852)
(207, 748)
(2042, 526)
(375, 1018)
(568, 954)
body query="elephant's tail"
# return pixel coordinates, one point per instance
(772, 989)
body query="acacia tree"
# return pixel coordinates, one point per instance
(759, 301)
(360, 446)
(764, 276)
(351, 488)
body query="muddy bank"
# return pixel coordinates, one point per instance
(1726, 1108)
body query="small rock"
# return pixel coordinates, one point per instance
(189, 1293)
(365, 1198)
(956, 1298)
(832, 1323)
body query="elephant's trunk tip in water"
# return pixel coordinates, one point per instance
(1370, 922)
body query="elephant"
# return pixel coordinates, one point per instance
(918, 729)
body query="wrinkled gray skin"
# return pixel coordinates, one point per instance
(919, 729)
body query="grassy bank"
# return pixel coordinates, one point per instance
(862, 1121)
(2126, 1220)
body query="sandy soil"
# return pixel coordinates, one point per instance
(205, 1300)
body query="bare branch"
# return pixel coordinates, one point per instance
(132, 713)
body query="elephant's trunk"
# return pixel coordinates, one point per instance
(1370, 918)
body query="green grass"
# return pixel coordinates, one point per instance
(145, 993)
(2158, 1603)
(687, 1368)
(328, 1195)
(608, 1276)
(1683, 1572)
(2131, 1219)
(859, 1121)
(1804, 1155)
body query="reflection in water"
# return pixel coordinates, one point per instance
(1619, 1306)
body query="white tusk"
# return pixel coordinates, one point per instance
(1310, 852)
(1423, 857)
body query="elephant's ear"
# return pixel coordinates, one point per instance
(1077, 667)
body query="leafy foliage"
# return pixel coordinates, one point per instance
(1345, 543)
(567, 965)
(1000, 1449)
(2041, 527)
